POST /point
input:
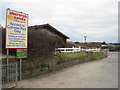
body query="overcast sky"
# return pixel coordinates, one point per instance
(96, 19)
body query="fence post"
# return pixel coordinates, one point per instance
(107, 52)
(73, 49)
(65, 50)
(79, 49)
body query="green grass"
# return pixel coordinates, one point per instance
(71, 56)
(98, 55)
(43, 65)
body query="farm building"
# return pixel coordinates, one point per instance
(49, 29)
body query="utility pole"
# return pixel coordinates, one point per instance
(85, 37)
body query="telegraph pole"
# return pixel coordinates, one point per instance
(85, 37)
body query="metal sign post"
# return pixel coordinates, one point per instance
(20, 68)
(21, 53)
(7, 65)
(7, 56)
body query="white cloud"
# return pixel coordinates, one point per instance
(75, 18)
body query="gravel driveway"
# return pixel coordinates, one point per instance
(96, 74)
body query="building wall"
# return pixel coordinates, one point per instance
(50, 31)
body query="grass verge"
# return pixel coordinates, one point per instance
(98, 55)
(43, 65)
(70, 56)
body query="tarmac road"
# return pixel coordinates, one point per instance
(96, 74)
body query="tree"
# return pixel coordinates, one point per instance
(104, 42)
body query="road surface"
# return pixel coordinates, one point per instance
(96, 74)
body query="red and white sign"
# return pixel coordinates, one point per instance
(16, 29)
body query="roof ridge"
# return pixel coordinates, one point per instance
(50, 27)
